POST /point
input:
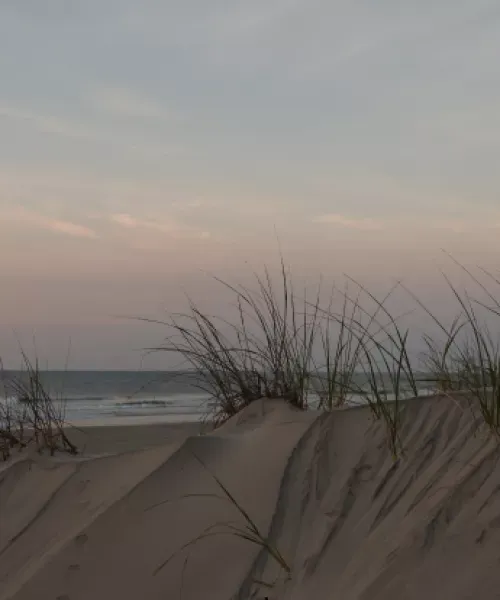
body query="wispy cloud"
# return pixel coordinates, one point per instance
(349, 222)
(454, 225)
(127, 103)
(47, 123)
(411, 224)
(22, 216)
(166, 225)
(72, 129)
(209, 25)
(68, 228)
(188, 205)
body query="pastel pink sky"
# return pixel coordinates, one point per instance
(144, 146)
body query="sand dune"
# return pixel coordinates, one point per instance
(351, 522)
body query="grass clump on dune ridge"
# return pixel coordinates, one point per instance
(370, 358)
(281, 344)
(388, 374)
(468, 358)
(265, 352)
(29, 416)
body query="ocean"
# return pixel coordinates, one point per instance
(120, 397)
(129, 397)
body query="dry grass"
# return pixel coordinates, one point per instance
(282, 345)
(382, 358)
(467, 358)
(266, 352)
(29, 416)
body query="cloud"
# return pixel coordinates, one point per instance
(81, 131)
(27, 217)
(350, 223)
(323, 37)
(68, 228)
(166, 225)
(405, 223)
(215, 23)
(125, 220)
(127, 103)
(485, 223)
(454, 225)
(130, 222)
(188, 205)
(469, 128)
(47, 123)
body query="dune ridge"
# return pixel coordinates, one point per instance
(351, 522)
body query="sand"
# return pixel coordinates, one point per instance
(352, 523)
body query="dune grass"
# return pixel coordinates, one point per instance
(370, 358)
(285, 345)
(468, 356)
(29, 416)
(324, 354)
(266, 352)
(341, 348)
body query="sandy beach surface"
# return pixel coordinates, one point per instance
(349, 521)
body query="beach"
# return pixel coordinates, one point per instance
(349, 521)
(250, 303)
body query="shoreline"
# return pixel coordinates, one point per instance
(133, 421)
(106, 439)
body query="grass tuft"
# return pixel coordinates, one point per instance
(266, 352)
(469, 357)
(29, 416)
(312, 354)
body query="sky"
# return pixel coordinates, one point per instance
(146, 146)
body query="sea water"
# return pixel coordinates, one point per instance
(121, 397)
(104, 396)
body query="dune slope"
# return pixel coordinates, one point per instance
(351, 522)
